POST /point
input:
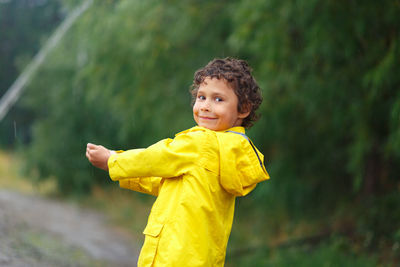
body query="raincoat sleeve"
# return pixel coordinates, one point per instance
(147, 185)
(167, 159)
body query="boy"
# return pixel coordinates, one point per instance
(197, 175)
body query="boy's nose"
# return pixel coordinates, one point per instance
(205, 106)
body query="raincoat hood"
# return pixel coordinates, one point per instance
(241, 167)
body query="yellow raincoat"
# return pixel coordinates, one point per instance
(202, 173)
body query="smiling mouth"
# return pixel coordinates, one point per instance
(206, 118)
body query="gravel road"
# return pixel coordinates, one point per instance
(39, 232)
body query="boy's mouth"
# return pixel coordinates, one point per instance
(206, 118)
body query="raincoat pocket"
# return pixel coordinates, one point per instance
(150, 246)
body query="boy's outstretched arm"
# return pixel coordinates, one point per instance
(98, 155)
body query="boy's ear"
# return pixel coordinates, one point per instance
(243, 115)
(246, 112)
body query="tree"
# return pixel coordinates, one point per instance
(120, 78)
(331, 112)
(24, 26)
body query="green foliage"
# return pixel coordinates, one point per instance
(24, 26)
(120, 78)
(337, 252)
(381, 231)
(330, 80)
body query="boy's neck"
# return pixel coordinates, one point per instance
(233, 128)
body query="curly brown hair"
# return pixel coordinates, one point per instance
(237, 73)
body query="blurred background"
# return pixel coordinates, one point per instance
(330, 119)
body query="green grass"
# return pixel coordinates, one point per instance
(12, 179)
(336, 252)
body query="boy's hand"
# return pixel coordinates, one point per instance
(98, 155)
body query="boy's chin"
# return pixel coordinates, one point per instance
(213, 128)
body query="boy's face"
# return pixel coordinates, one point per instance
(216, 106)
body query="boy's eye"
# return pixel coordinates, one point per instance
(218, 99)
(201, 97)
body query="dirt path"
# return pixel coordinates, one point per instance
(39, 232)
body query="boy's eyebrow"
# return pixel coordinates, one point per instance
(213, 93)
